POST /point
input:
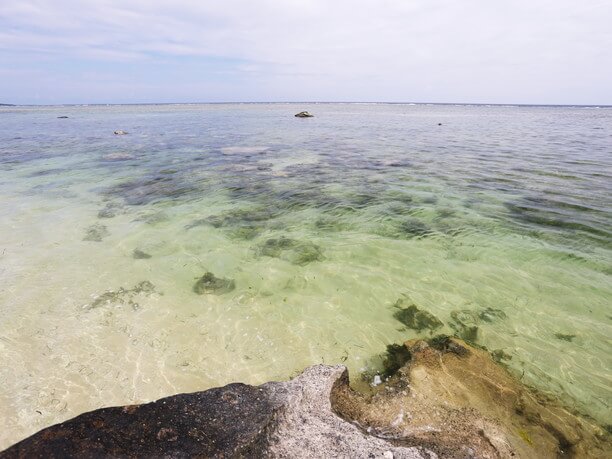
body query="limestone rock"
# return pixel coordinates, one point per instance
(452, 398)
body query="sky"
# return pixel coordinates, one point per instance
(456, 51)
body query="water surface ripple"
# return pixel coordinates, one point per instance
(496, 221)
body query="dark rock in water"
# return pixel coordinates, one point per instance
(210, 284)
(140, 255)
(120, 132)
(96, 233)
(490, 315)
(445, 343)
(564, 337)
(62, 117)
(414, 318)
(395, 358)
(277, 419)
(303, 115)
(291, 250)
(465, 323)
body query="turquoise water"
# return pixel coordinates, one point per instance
(497, 222)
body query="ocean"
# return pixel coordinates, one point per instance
(235, 242)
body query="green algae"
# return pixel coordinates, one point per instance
(525, 436)
(330, 224)
(466, 322)
(245, 232)
(210, 284)
(500, 356)
(107, 212)
(243, 224)
(396, 356)
(404, 228)
(414, 318)
(152, 188)
(445, 343)
(294, 251)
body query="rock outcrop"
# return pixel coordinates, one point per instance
(290, 419)
(303, 115)
(444, 399)
(455, 400)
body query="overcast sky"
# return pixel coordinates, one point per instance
(123, 51)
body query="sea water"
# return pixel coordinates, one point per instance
(494, 219)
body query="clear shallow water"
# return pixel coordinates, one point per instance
(322, 223)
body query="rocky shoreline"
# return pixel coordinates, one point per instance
(441, 398)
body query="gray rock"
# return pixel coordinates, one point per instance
(120, 132)
(303, 115)
(277, 419)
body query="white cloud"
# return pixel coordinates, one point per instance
(469, 50)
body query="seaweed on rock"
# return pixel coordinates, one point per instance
(396, 356)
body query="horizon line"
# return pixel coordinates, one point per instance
(498, 104)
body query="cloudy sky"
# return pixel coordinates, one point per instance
(123, 51)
